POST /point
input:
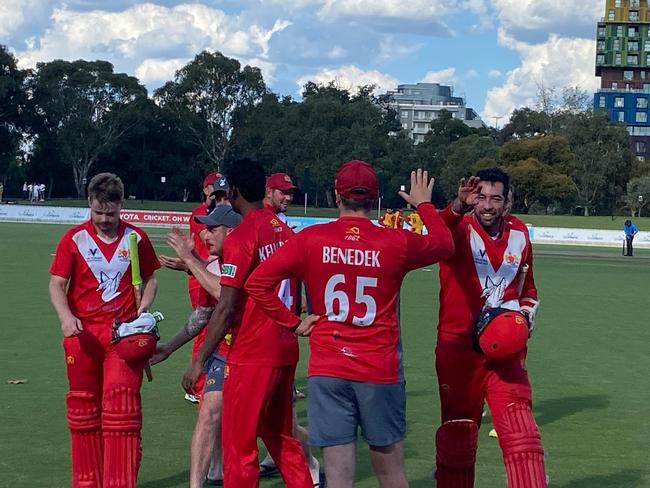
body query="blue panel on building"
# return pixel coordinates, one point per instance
(624, 106)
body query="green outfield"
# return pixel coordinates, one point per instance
(589, 362)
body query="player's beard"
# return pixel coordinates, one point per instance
(490, 221)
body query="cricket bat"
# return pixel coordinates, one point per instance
(136, 281)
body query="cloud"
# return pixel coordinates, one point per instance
(390, 49)
(558, 62)
(350, 77)
(533, 20)
(157, 71)
(495, 73)
(150, 39)
(16, 14)
(402, 9)
(446, 76)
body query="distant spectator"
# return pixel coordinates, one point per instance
(25, 191)
(630, 231)
(2, 189)
(35, 190)
(41, 191)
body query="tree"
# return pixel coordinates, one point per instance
(638, 193)
(206, 95)
(461, 158)
(81, 106)
(312, 138)
(12, 105)
(602, 160)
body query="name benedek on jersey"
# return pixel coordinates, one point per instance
(352, 257)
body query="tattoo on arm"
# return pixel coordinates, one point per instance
(197, 320)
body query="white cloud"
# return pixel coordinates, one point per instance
(495, 73)
(446, 76)
(148, 37)
(402, 9)
(350, 77)
(559, 62)
(390, 49)
(158, 70)
(529, 19)
(16, 13)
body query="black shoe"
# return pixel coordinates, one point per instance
(211, 482)
(322, 482)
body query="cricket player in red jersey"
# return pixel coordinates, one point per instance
(258, 387)
(279, 194)
(353, 271)
(198, 296)
(90, 288)
(492, 266)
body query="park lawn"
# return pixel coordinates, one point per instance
(588, 362)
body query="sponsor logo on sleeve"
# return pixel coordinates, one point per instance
(229, 270)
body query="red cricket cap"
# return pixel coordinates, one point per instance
(211, 179)
(356, 179)
(280, 181)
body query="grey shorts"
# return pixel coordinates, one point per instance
(337, 407)
(214, 368)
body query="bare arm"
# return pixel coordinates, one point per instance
(184, 248)
(208, 281)
(195, 323)
(70, 325)
(149, 289)
(222, 318)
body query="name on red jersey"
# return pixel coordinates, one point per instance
(352, 257)
(266, 251)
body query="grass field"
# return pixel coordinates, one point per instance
(588, 360)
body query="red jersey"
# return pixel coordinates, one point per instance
(256, 339)
(100, 289)
(353, 272)
(203, 298)
(483, 268)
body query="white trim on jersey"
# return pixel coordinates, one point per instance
(495, 282)
(108, 273)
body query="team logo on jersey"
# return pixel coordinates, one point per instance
(123, 254)
(93, 255)
(511, 259)
(480, 257)
(352, 234)
(275, 223)
(108, 285)
(143, 342)
(229, 270)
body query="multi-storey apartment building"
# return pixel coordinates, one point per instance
(418, 104)
(623, 64)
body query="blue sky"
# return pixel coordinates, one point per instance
(496, 53)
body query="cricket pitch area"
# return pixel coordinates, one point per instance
(589, 362)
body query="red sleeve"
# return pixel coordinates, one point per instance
(63, 262)
(238, 259)
(262, 286)
(436, 245)
(529, 290)
(148, 259)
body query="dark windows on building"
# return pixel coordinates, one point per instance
(620, 116)
(601, 102)
(633, 16)
(641, 102)
(619, 102)
(632, 31)
(641, 117)
(640, 147)
(633, 59)
(628, 75)
(633, 46)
